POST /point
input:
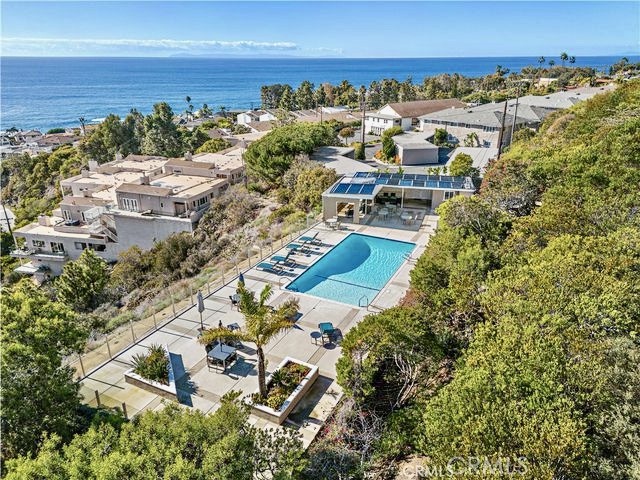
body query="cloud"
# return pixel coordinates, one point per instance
(13, 45)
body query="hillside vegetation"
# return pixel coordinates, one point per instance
(519, 336)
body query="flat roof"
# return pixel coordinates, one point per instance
(413, 141)
(369, 184)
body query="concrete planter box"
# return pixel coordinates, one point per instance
(279, 416)
(169, 392)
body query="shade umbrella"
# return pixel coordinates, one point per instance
(241, 279)
(200, 300)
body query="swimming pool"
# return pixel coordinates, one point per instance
(355, 270)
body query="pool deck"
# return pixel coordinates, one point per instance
(200, 387)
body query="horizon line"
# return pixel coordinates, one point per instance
(313, 57)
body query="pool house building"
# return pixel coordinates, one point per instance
(363, 195)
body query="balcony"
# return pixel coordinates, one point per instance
(39, 254)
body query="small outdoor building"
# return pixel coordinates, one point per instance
(358, 195)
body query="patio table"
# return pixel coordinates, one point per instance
(384, 213)
(406, 217)
(222, 353)
(326, 329)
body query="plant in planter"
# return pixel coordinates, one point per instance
(283, 382)
(153, 365)
(263, 323)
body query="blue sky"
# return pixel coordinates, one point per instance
(344, 29)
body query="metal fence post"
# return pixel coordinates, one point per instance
(124, 410)
(223, 277)
(155, 323)
(208, 288)
(97, 397)
(173, 305)
(191, 294)
(133, 335)
(108, 346)
(81, 365)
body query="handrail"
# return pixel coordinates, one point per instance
(360, 303)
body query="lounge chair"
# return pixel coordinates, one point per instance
(285, 260)
(269, 267)
(296, 247)
(311, 238)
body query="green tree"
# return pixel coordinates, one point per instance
(107, 139)
(346, 133)
(39, 394)
(83, 281)
(161, 135)
(359, 153)
(205, 111)
(263, 324)
(287, 99)
(388, 148)
(174, 443)
(461, 166)
(213, 145)
(320, 96)
(386, 355)
(304, 96)
(271, 156)
(440, 137)
(564, 57)
(309, 186)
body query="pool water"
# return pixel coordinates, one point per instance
(355, 270)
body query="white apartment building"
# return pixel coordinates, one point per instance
(137, 200)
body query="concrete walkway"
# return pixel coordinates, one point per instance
(200, 387)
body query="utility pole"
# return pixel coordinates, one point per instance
(364, 109)
(504, 115)
(515, 115)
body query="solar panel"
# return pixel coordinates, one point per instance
(406, 182)
(353, 189)
(341, 188)
(367, 189)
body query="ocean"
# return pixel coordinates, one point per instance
(44, 93)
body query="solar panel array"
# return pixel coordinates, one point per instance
(400, 180)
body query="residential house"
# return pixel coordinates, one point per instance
(138, 200)
(405, 114)
(249, 116)
(489, 120)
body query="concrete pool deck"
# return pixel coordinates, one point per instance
(202, 388)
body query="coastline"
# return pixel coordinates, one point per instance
(48, 92)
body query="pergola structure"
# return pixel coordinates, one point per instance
(362, 190)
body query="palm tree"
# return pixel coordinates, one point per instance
(552, 63)
(263, 323)
(541, 60)
(189, 110)
(564, 57)
(82, 121)
(223, 111)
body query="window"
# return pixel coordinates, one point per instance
(448, 195)
(80, 245)
(38, 243)
(200, 202)
(57, 247)
(130, 204)
(66, 214)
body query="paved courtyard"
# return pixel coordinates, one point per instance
(202, 388)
